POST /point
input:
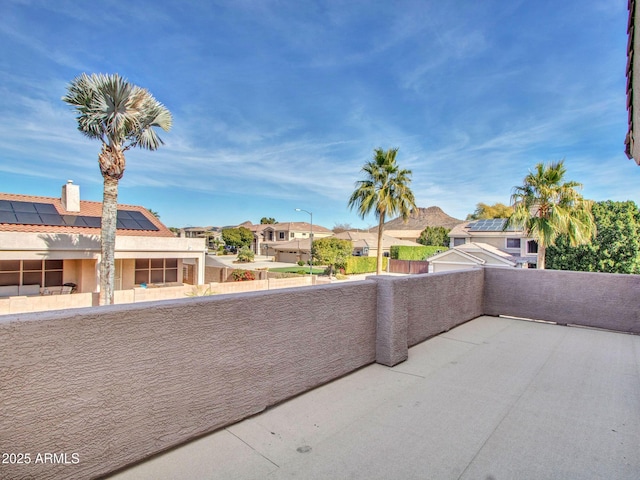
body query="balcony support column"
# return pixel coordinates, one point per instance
(392, 320)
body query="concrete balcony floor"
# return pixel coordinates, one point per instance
(495, 398)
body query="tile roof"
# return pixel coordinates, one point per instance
(286, 226)
(87, 209)
(633, 77)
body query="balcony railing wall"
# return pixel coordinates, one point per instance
(601, 300)
(117, 384)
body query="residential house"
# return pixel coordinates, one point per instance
(486, 243)
(269, 236)
(48, 242)
(213, 235)
(365, 244)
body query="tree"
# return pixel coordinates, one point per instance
(154, 213)
(616, 248)
(385, 191)
(268, 221)
(341, 227)
(437, 236)
(237, 237)
(546, 207)
(484, 211)
(332, 251)
(245, 255)
(122, 116)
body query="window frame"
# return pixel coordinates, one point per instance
(513, 239)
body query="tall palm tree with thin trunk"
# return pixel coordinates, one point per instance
(385, 191)
(546, 206)
(122, 116)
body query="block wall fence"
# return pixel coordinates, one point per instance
(117, 384)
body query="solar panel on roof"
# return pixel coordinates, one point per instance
(52, 219)
(73, 220)
(27, 207)
(95, 222)
(487, 225)
(137, 215)
(27, 218)
(8, 217)
(46, 208)
(33, 213)
(490, 225)
(124, 214)
(147, 225)
(128, 223)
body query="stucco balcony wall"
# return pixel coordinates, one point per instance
(117, 384)
(120, 383)
(601, 300)
(438, 302)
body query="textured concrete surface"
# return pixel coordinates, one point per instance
(602, 300)
(120, 383)
(494, 398)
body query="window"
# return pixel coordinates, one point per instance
(46, 273)
(532, 246)
(458, 241)
(156, 270)
(281, 235)
(513, 243)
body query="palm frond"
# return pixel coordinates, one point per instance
(547, 206)
(117, 112)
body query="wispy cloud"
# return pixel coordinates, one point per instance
(280, 103)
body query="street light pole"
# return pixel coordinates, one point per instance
(310, 240)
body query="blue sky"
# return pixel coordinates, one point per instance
(278, 104)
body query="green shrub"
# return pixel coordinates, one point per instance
(300, 263)
(245, 255)
(356, 265)
(399, 252)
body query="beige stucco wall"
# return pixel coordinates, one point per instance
(116, 384)
(34, 246)
(602, 300)
(438, 302)
(450, 261)
(291, 257)
(316, 235)
(24, 304)
(410, 235)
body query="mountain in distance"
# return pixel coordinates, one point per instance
(420, 218)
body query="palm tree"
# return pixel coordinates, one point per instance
(385, 191)
(546, 207)
(122, 116)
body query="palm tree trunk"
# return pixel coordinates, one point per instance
(542, 256)
(379, 257)
(108, 239)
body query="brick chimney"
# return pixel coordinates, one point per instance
(71, 197)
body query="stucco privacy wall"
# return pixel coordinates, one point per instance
(602, 300)
(117, 384)
(412, 309)
(437, 302)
